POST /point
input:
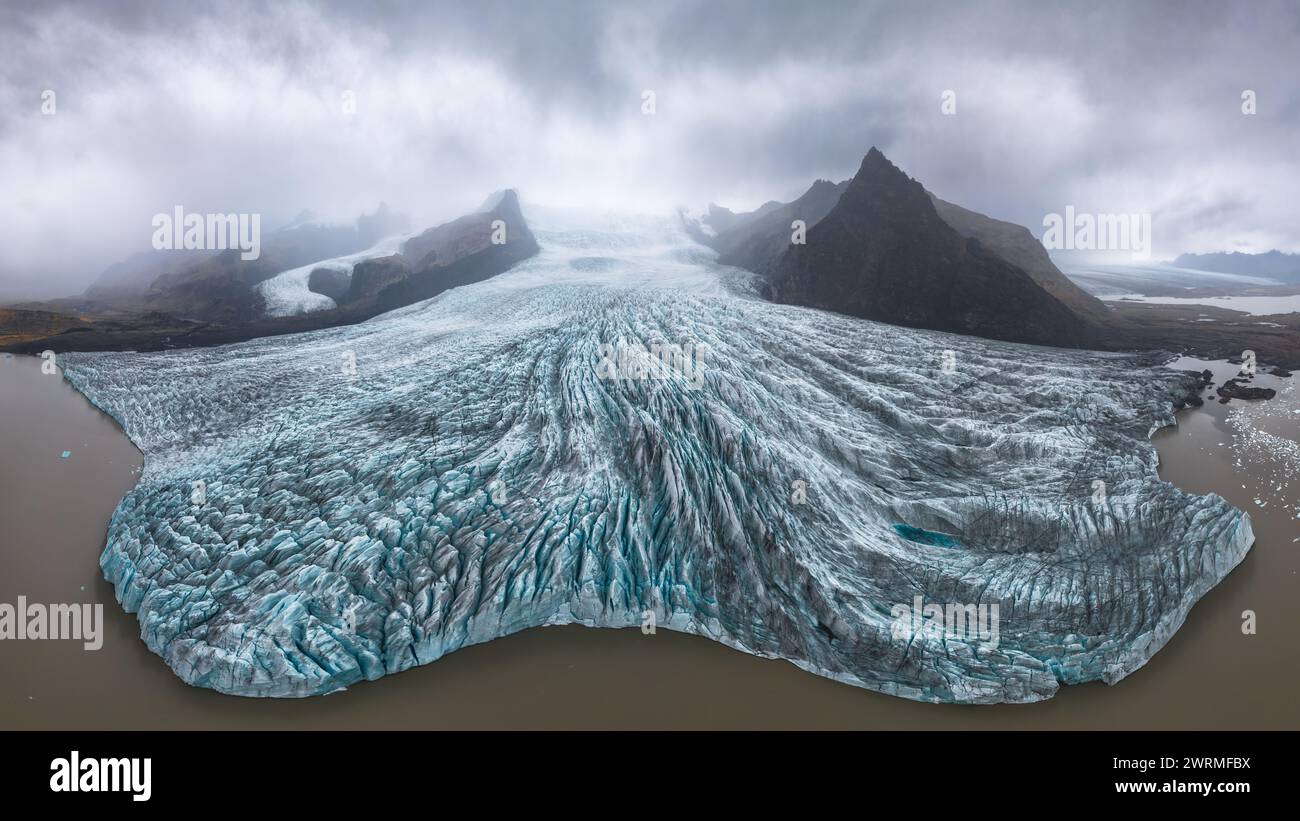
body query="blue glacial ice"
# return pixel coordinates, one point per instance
(287, 293)
(302, 525)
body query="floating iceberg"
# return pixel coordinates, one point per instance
(332, 507)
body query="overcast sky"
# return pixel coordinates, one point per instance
(1109, 107)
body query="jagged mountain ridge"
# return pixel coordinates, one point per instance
(758, 243)
(884, 252)
(966, 303)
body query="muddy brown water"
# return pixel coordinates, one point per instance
(54, 513)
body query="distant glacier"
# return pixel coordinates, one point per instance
(328, 508)
(287, 293)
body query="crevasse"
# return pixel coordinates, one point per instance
(477, 476)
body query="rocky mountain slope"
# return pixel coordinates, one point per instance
(222, 299)
(900, 234)
(17, 324)
(1016, 245)
(759, 244)
(884, 252)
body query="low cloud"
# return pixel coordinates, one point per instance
(241, 107)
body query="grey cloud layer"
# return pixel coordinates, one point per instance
(1106, 107)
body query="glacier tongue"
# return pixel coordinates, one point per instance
(302, 524)
(287, 293)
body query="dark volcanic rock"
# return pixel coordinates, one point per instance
(1235, 389)
(1280, 371)
(1017, 245)
(461, 252)
(1192, 398)
(757, 241)
(371, 276)
(218, 289)
(330, 282)
(883, 252)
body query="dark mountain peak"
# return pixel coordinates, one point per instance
(506, 198)
(876, 161)
(880, 246)
(504, 204)
(881, 195)
(756, 240)
(876, 170)
(472, 233)
(508, 204)
(883, 252)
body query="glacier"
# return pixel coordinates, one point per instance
(332, 507)
(287, 293)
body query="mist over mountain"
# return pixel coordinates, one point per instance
(1272, 264)
(270, 108)
(172, 279)
(309, 276)
(756, 240)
